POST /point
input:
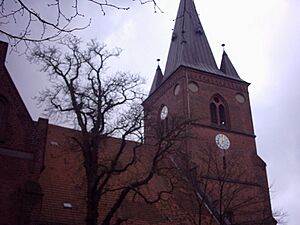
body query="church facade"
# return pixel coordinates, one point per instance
(221, 179)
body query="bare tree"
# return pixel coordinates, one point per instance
(281, 216)
(103, 106)
(39, 21)
(215, 189)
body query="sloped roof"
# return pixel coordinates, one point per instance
(8, 88)
(157, 80)
(189, 46)
(227, 67)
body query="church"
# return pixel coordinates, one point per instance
(220, 178)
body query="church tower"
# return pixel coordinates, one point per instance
(216, 102)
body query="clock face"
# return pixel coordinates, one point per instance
(222, 141)
(164, 112)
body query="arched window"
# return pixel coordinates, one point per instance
(218, 113)
(3, 117)
(213, 113)
(222, 115)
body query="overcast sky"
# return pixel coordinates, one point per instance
(262, 40)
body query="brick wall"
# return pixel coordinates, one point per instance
(21, 153)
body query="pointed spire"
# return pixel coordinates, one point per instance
(189, 46)
(157, 80)
(227, 67)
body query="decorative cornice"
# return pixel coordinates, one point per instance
(200, 76)
(218, 80)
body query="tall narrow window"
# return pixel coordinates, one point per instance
(213, 113)
(218, 113)
(222, 115)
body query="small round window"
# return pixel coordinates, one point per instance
(193, 86)
(176, 89)
(240, 98)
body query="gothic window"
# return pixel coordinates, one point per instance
(218, 113)
(3, 117)
(222, 115)
(213, 113)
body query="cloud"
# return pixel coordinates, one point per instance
(262, 40)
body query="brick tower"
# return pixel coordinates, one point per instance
(231, 177)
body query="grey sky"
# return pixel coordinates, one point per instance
(262, 40)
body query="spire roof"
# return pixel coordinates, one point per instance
(227, 67)
(157, 80)
(189, 46)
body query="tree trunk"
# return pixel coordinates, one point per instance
(92, 208)
(91, 166)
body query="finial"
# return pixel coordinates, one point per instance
(158, 60)
(223, 45)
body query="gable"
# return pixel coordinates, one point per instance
(15, 114)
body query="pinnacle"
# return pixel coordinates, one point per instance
(227, 67)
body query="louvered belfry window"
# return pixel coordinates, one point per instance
(218, 113)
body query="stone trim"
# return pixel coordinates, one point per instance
(228, 180)
(224, 129)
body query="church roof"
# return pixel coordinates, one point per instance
(157, 80)
(189, 46)
(227, 67)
